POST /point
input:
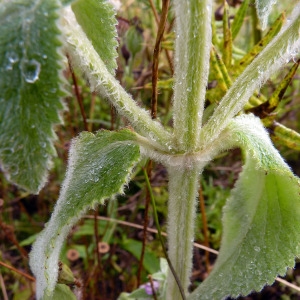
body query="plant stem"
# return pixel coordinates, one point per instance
(146, 220)
(205, 227)
(183, 185)
(192, 48)
(160, 34)
(278, 53)
(84, 56)
(161, 239)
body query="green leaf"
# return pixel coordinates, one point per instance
(30, 89)
(285, 136)
(99, 167)
(97, 18)
(277, 53)
(263, 8)
(239, 18)
(261, 218)
(256, 49)
(191, 58)
(151, 262)
(61, 292)
(84, 56)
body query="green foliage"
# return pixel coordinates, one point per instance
(259, 241)
(98, 169)
(239, 18)
(134, 40)
(61, 292)
(263, 8)
(97, 18)
(151, 262)
(30, 85)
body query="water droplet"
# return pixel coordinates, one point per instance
(44, 56)
(13, 57)
(14, 170)
(256, 248)
(9, 67)
(31, 70)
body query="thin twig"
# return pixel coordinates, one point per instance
(92, 111)
(293, 286)
(154, 11)
(146, 222)
(160, 33)
(152, 287)
(78, 96)
(133, 225)
(205, 228)
(10, 235)
(160, 237)
(112, 117)
(96, 234)
(137, 226)
(17, 271)
(3, 288)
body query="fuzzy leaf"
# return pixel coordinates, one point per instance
(277, 53)
(261, 219)
(263, 8)
(97, 18)
(62, 292)
(99, 166)
(29, 89)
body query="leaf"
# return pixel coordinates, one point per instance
(227, 37)
(256, 49)
(239, 18)
(151, 262)
(61, 292)
(191, 61)
(84, 56)
(261, 218)
(97, 18)
(263, 8)
(99, 167)
(285, 136)
(30, 89)
(276, 54)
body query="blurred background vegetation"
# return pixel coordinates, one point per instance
(104, 250)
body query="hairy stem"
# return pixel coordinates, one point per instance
(183, 185)
(193, 42)
(84, 56)
(278, 53)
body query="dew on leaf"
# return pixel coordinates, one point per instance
(13, 57)
(31, 70)
(256, 248)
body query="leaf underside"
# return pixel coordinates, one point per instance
(97, 18)
(29, 89)
(98, 169)
(261, 219)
